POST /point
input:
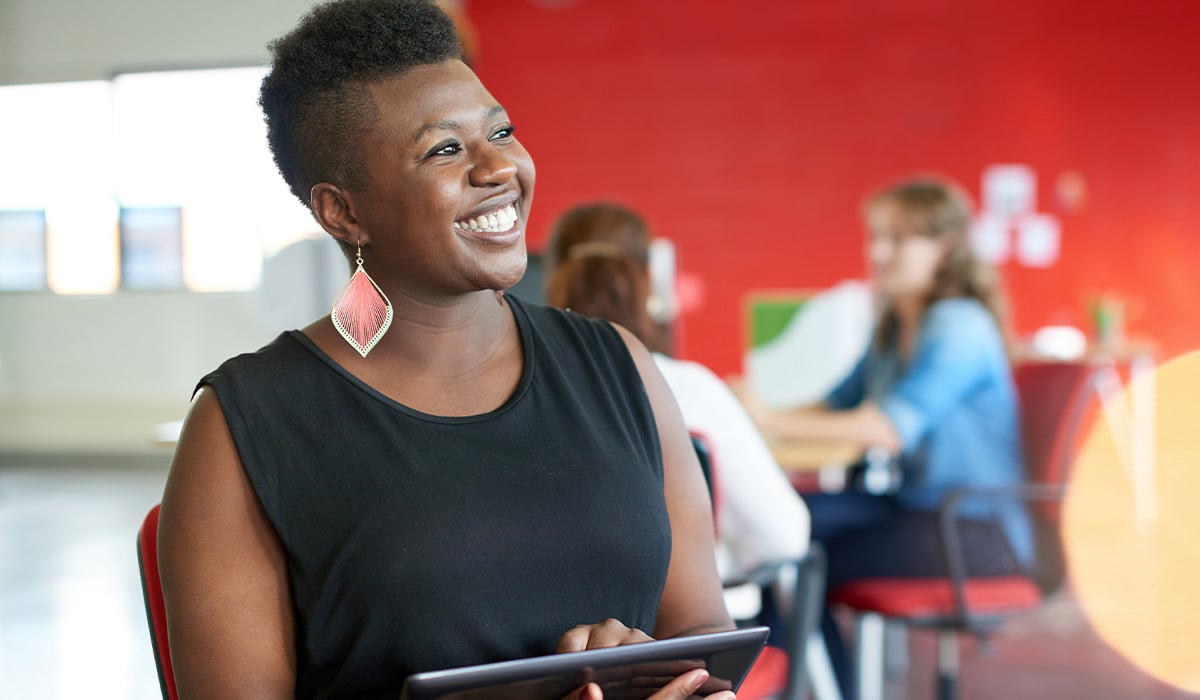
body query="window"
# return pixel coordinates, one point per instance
(81, 245)
(185, 155)
(56, 142)
(22, 251)
(197, 140)
(151, 248)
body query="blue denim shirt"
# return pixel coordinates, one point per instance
(955, 408)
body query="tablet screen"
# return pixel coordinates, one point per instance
(623, 673)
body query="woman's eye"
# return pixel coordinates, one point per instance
(445, 149)
(503, 133)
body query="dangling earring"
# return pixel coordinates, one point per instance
(361, 312)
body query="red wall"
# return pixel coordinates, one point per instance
(748, 132)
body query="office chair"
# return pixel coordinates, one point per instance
(156, 613)
(1054, 397)
(783, 673)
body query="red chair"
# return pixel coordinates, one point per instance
(1054, 397)
(156, 613)
(781, 673)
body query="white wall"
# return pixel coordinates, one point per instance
(96, 373)
(55, 40)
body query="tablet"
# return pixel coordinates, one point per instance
(623, 673)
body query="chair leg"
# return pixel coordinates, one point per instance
(820, 670)
(895, 650)
(947, 666)
(807, 602)
(869, 646)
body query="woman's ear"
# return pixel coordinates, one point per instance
(334, 210)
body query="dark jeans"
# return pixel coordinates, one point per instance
(872, 536)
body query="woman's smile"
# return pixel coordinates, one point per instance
(495, 225)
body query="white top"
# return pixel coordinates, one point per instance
(760, 517)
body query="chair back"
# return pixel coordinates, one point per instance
(705, 457)
(1055, 397)
(156, 613)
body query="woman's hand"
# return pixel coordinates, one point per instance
(613, 633)
(686, 686)
(610, 633)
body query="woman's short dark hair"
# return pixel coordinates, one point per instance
(315, 97)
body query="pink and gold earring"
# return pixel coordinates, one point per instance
(361, 313)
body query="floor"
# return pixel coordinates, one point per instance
(72, 623)
(1053, 653)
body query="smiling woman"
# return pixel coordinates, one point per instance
(443, 159)
(437, 474)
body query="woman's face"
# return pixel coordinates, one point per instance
(448, 186)
(903, 262)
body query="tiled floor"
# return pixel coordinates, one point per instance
(72, 623)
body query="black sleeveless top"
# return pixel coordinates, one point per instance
(417, 542)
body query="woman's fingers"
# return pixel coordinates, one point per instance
(574, 639)
(610, 633)
(591, 691)
(691, 684)
(682, 687)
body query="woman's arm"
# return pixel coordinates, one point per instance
(691, 601)
(958, 348)
(761, 517)
(224, 577)
(844, 416)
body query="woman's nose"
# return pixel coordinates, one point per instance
(493, 167)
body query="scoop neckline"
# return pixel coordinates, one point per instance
(524, 331)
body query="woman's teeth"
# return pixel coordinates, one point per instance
(497, 222)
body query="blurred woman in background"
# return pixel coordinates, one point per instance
(934, 389)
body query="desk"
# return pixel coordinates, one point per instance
(813, 456)
(815, 465)
(167, 434)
